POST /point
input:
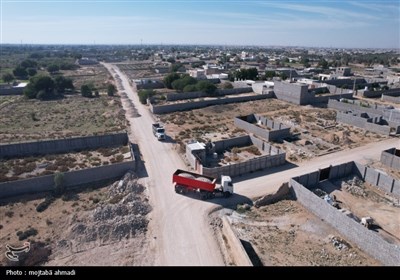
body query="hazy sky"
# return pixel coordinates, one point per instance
(341, 23)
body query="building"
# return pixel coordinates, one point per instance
(343, 71)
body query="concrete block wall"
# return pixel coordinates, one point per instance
(326, 98)
(71, 179)
(371, 94)
(276, 129)
(62, 145)
(378, 179)
(240, 141)
(393, 99)
(391, 158)
(197, 94)
(395, 92)
(354, 105)
(264, 146)
(295, 93)
(235, 247)
(11, 91)
(367, 240)
(163, 109)
(252, 165)
(352, 119)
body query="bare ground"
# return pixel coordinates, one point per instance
(286, 234)
(83, 227)
(317, 131)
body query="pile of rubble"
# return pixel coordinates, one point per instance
(354, 186)
(121, 215)
(339, 243)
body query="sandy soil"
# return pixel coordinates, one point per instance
(316, 130)
(81, 228)
(286, 234)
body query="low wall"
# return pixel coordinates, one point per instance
(249, 166)
(162, 109)
(71, 179)
(395, 92)
(197, 94)
(367, 240)
(11, 91)
(378, 179)
(391, 158)
(353, 105)
(393, 99)
(62, 145)
(235, 247)
(360, 122)
(276, 129)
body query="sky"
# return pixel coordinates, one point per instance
(340, 23)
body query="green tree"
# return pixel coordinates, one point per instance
(323, 63)
(175, 67)
(144, 94)
(206, 87)
(111, 90)
(8, 77)
(28, 63)
(44, 85)
(189, 88)
(185, 80)
(20, 72)
(53, 68)
(31, 71)
(86, 91)
(168, 79)
(62, 84)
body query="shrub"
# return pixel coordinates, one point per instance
(9, 214)
(22, 235)
(59, 187)
(45, 204)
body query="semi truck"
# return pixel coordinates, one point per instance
(158, 131)
(206, 186)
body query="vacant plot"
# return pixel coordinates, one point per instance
(97, 75)
(365, 200)
(20, 168)
(286, 234)
(315, 130)
(23, 120)
(95, 226)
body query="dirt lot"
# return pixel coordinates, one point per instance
(19, 168)
(80, 228)
(286, 234)
(94, 74)
(140, 70)
(24, 120)
(315, 130)
(365, 200)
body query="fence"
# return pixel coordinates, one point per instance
(367, 240)
(162, 109)
(71, 179)
(62, 145)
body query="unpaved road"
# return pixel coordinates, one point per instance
(179, 227)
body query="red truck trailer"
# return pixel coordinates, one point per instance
(186, 181)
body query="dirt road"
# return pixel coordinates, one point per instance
(180, 230)
(179, 227)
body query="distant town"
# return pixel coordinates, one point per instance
(147, 155)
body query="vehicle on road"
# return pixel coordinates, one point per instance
(207, 187)
(158, 131)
